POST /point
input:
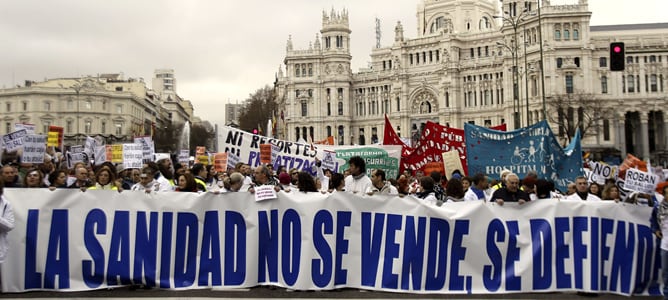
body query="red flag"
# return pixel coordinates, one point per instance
(390, 137)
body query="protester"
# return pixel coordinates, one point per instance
(543, 189)
(582, 191)
(234, 182)
(10, 176)
(477, 190)
(33, 179)
(571, 189)
(200, 173)
(510, 192)
(467, 182)
(58, 180)
(263, 177)
(595, 189)
(104, 180)
(6, 225)
(82, 180)
(306, 183)
(357, 182)
(502, 180)
(379, 185)
(336, 183)
(610, 192)
(186, 183)
(425, 190)
(659, 223)
(147, 183)
(454, 192)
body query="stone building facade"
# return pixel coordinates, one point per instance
(472, 62)
(107, 106)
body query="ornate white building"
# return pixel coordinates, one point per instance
(462, 67)
(108, 106)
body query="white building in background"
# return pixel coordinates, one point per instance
(459, 69)
(108, 106)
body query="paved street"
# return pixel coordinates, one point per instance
(264, 293)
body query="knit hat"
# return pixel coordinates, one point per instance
(284, 178)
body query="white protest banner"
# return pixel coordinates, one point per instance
(89, 146)
(14, 140)
(302, 156)
(76, 155)
(264, 192)
(640, 181)
(184, 157)
(30, 128)
(100, 153)
(274, 153)
(601, 171)
(148, 147)
(66, 240)
(232, 159)
(328, 161)
(34, 147)
(452, 162)
(133, 155)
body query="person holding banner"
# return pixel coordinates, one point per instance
(233, 183)
(357, 181)
(510, 192)
(200, 173)
(82, 182)
(582, 191)
(425, 190)
(477, 190)
(186, 183)
(6, 225)
(105, 179)
(147, 181)
(58, 180)
(379, 184)
(10, 176)
(33, 179)
(263, 177)
(659, 223)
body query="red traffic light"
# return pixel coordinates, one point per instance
(254, 130)
(617, 49)
(617, 56)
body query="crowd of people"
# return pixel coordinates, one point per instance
(434, 189)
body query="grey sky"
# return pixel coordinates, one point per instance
(220, 50)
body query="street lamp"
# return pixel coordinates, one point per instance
(514, 22)
(516, 102)
(542, 71)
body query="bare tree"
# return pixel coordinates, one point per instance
(578, 111)
(258, 109)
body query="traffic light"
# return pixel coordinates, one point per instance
(617, 56)
(254, 130)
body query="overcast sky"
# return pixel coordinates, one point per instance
(220, 50)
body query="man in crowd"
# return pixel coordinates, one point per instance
(263, 176)
(357, 182)
(82, 180)
(10, 176)
(510, 192)
(582, 191)
(477, 190)
(379, 185)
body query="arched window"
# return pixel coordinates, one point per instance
(604, 84)
(567, 35)
(437, 24)
(557, 35)
(576, 34)
(297, 70)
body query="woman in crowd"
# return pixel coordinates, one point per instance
(105, 179)
(595, 189)
(454, 192)
(58, 180)
(306, 183)
(610, 192)
(186, 183)
(466, 183)
(33, 179)
(336, 183)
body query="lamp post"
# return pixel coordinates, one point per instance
(514, 22)
(526, 77)
(516, 112)
(542, 71)
(78, 86)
